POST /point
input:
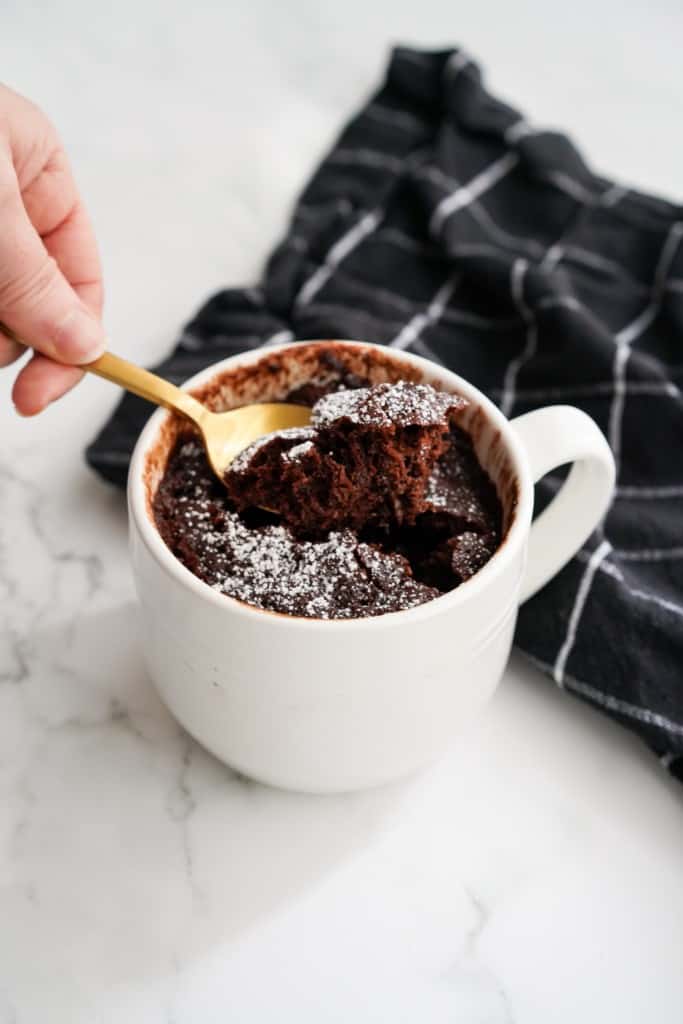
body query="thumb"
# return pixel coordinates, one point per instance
(36, 300)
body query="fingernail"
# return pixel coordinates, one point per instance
(79, 338)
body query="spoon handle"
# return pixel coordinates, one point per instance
(147, 385)
(140, 382)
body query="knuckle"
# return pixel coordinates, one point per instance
(29, 288)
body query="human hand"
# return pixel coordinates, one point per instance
(50, 274)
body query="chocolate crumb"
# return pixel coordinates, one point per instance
(382, 505)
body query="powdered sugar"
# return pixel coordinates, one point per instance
(253, 557)
(297, 451)
(403, 404)
(296, 434)
(452, 488)
(338, 577)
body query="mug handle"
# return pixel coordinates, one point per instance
(552, 437)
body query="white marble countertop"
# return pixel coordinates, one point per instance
(532, 876)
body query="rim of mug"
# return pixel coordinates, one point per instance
(506, 552)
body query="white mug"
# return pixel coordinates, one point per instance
(339, 705)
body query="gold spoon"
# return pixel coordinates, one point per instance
(225, 434)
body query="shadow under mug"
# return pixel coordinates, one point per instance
(334, 706)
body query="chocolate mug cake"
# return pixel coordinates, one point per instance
(379, 506)
(336, 704)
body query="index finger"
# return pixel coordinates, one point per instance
(56, 210)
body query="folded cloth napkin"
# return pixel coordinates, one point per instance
(444, 223)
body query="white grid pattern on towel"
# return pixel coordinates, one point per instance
(609, 568)
(623, 341)
(466, 194)
(574, 189)
(650, 554)
(606, 700)
(613, 195)
(600, 553)
(645, 493)
(551, 259)
(409, 334)
(363, 227)
(624, 707)
(517, 275)
(597, 390)
(575, 254)
(410, 307)
(631, 332)
(367, 224)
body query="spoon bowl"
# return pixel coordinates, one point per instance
(225, 434)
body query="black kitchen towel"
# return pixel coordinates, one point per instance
(444, 223)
